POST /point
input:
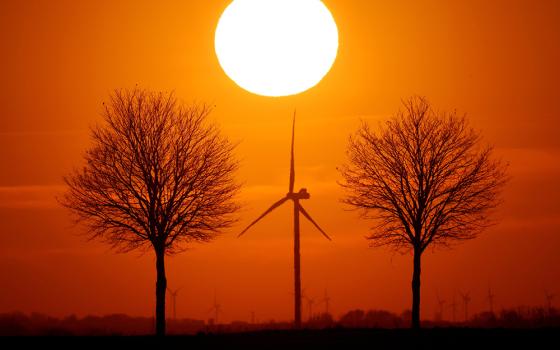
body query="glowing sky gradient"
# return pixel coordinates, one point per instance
(497, 61)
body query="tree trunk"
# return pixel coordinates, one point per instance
(161, 288)
(416, 289)
(297, 276)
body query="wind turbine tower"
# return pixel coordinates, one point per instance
(441, 304)
(173, 295)
(310, 302)
(549, 298)
(326, 299)
(217, 309)
(453, 306)
(491, 297)
(466, 300)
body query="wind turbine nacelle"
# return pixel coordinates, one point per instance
(302, 194)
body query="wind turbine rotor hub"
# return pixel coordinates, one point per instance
(302, 194)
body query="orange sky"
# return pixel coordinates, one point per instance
(495, 60)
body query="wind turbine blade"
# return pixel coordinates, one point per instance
(292, 170)
(313, 222)
(274, 206)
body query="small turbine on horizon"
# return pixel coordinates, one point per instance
(466, 300)
(326, 299)
(549, 298)
(310, 303)
(173, 295)
(217, 309)
(295, 197)
(491, 296)
(441, 304)
(453, 306)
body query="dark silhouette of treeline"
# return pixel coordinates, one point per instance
(520, 317)
(116, 324)
(120, 324)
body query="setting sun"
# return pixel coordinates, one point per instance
(276, 47)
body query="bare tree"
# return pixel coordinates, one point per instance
(158, 175)
(425, 179)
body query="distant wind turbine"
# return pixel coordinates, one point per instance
(310, 302)
(295, 197)
(466, 300)
(491, 297)
(549, 298)
(441, 304)
(326, 299)
(453, 306)
(173, 295)
(217, 309)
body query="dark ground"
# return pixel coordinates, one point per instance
(436, 338)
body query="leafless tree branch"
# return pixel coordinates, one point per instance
(424, 178)
(158, 174)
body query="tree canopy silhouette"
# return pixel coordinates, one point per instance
(158, 176)
(425, 178)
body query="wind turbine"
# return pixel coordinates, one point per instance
(326, 299)
(441, 304)
(466, 300)
(310, 302)
(217, 309)
(491, 297)
(453, 306)
(173, 295)
(549, 298)
(295, 197)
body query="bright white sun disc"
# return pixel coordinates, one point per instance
(276, 47)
